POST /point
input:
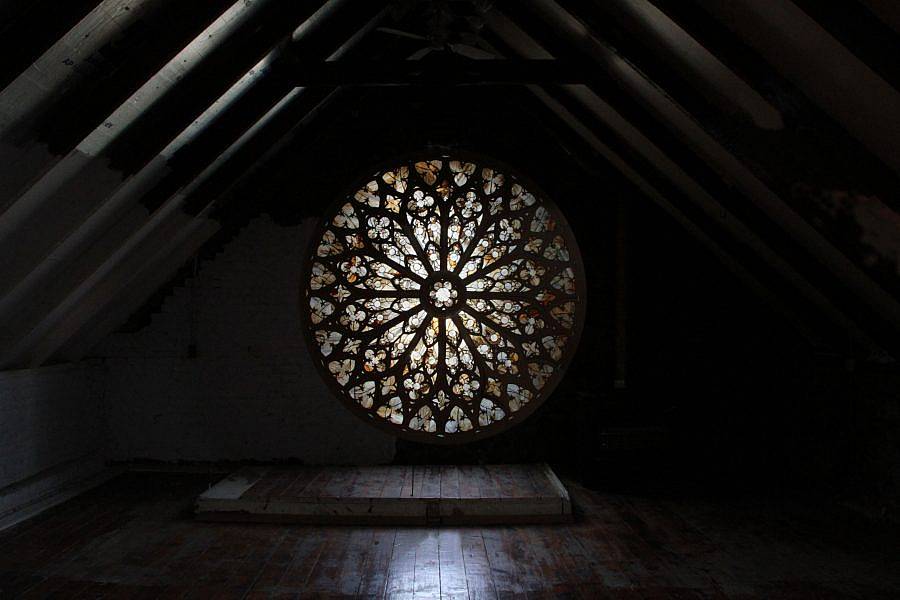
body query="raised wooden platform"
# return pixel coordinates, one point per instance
(420, 495)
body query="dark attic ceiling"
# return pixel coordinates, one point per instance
(132, 132)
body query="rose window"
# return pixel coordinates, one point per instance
(444, 298)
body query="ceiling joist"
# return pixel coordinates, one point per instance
(436, 72)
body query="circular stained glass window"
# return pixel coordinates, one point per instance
(444, 298)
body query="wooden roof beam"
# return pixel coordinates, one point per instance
(798, 320)
(29, 27)
(61, 200)
(153, 274)
(676, 49)
(886, 10)
(201, 143)
(827, 72)
(69, 91)
(84, 196)
(440, 72)
(193, 229)
(168, 227)
(860, 31)
(689, 129)
(523, 44)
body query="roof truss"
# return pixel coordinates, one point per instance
(101, 207)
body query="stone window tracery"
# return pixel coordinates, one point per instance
(444, 299)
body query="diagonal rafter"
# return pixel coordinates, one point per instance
(670, 113)
(210, 186)
(204, 137)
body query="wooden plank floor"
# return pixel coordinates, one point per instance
(397, 495)
(136, 537)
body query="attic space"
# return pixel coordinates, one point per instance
(450, 299)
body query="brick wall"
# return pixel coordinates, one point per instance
(53, 436)
(251, 391)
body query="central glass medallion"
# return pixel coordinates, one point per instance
(443, 298)
(444, 292)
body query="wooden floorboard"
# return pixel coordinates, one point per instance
(412, 495)
(135, 537)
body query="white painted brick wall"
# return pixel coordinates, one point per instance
(252, 392)
(52, 434)
(48, 416)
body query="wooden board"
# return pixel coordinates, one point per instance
(409, 495)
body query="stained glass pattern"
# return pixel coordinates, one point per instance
(444, 299)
